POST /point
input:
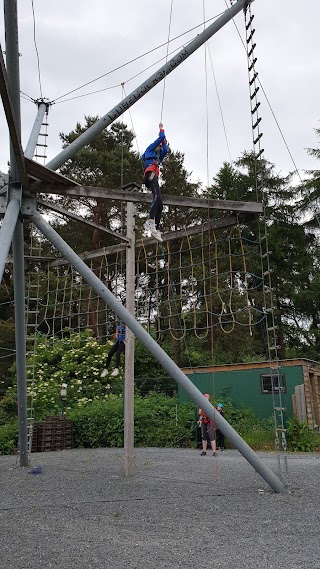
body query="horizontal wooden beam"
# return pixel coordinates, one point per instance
(137, 195)
(114, 249)
(71, 215)
(32, 258)
(47, 176)
(170, 236)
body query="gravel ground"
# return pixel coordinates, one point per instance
(178, 510)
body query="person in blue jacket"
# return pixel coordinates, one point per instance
(118, 348)
(152, 158)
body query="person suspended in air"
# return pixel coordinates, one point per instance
(152, 158)
(118, 348)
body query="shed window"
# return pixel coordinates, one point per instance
(272, 381)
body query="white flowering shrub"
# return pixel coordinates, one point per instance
(77, 361)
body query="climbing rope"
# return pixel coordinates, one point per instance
(165, 77)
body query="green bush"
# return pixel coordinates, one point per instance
(8, 437)
(100, 423)
(300, 437)
(8, 406)
(258, 433)
(150, 375)
(159, 422)
(261, 437)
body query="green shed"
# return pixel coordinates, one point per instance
(250, 385)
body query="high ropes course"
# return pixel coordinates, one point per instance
(186, 286)
(201, 278)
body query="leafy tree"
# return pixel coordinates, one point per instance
(109, 162)
(310, 189)
(7, 329)
(150, 375)
(292, 258)
(304, 303)
(175, 181)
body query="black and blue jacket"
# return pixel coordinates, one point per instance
(155, 153)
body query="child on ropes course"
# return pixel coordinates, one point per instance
(152, 158)
(118, 348)
(207, 430)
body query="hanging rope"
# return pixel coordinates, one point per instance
(165, 76)
(205, 296)
(246, 287)
(206, 96)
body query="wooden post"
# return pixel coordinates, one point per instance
(129, 354)
(308, 396)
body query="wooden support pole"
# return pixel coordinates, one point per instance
(129, 350)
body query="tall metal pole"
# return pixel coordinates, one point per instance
(129, 357)
(163, 358)
(12, 60)
(145, 87)
(20, 335)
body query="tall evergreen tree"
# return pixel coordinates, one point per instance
(310, 189)
(292, 251)
(109, 162)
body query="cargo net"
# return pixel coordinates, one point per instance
(198, 283)
(184, 286)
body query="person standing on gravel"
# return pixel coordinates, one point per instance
(219, 434)
(207, 430)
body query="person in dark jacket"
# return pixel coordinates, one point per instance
(207, 430)
(152, 158)
(219, 434)
(118, 348)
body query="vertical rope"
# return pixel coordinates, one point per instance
(206, 96)
(165, 77)
(134, 133)
(245, 280)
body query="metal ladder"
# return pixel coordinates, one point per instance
(33, 284)
(277, 384)
(41, 147)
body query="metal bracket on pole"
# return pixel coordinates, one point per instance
(3, 202)
(28, 206)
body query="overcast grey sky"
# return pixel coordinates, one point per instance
(78, 41)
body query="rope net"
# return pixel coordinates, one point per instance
(66, 303)
(198, 283)
(184, 286)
